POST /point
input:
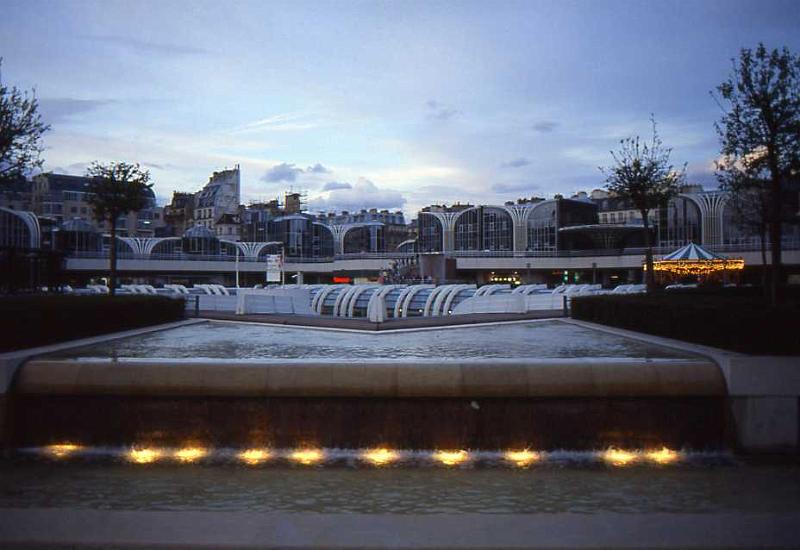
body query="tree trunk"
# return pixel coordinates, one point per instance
(775, 240)
(112, 277)
(763, 238)
(650, 279)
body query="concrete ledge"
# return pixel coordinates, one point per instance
(581, 377)
(96, 528)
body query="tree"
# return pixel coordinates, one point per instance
(642, 175)
(21, 130)
(116, 189)
(760, 135)
(748, 201)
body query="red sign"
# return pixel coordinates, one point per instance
(342, 280)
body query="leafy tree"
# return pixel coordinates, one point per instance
(642, 175)
(21, 130)
(115, 189)
(760, 136)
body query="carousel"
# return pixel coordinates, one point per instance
(693, 262)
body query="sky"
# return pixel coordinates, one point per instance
(380, 104)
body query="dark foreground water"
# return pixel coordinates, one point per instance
(537, 339)
(694, 486)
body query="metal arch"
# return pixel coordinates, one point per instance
(157, 241)
(407, 241)
(341, 298)
(488, 290)
(711, 205)
(439, 300)
(518, 212)
(134, 243)
(319, 298)
(347, 227)
(382, 292)
(536, 206)
(432, 297)
(405, 298)
(31, 222)
(449, 301)
(351, 306)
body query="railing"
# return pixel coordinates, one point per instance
(658, 250)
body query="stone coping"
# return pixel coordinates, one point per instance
(11, 361)
(579, 377)
(71, 528)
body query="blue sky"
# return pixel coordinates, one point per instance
(395, 105)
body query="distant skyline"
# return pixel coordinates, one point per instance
(380, 104)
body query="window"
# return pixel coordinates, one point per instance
(74, 210)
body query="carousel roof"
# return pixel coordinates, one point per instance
(692, 252)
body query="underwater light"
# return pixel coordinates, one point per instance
(306, 456)
(62, 450)
(522, 458)
(254, 456)
(663, 456)
(380, 457)
(144, 456)
(617, 457)
(190, 454)
(451, 458)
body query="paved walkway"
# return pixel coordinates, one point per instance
(68, 528)
(390, 324)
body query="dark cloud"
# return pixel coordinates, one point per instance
(516, 163)
(144, 47)
(317, 169)
(545, 126)
(439, 111)
(60, 108)
(513, 187)
(333, 185)
(282, 172)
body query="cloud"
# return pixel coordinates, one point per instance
(520, 187)
(317, 169)
(545, 126)
(334, 185)
(361, 194)
(282, 172)
(281, 122)
(143, 47)
(57, 109)
(438, 111)
(516, 163)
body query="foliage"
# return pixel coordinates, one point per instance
(734, 319)
(116, 189)
(29, 321)
(21, 130)
(642, 175)
(759, 133)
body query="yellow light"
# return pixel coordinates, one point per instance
(380, 457)
(144, 456)
(522, 458)
(697, 267)
(306, 456)
(451, 458)
(190, 454)
(62, 450)
(663, 456)
(617, 457)
(254, 456)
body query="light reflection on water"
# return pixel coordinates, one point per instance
(549, 486)
(547, 339)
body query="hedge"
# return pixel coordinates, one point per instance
(739, 320)
(30, 321)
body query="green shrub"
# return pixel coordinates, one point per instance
(738, 320)
(30, 321)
